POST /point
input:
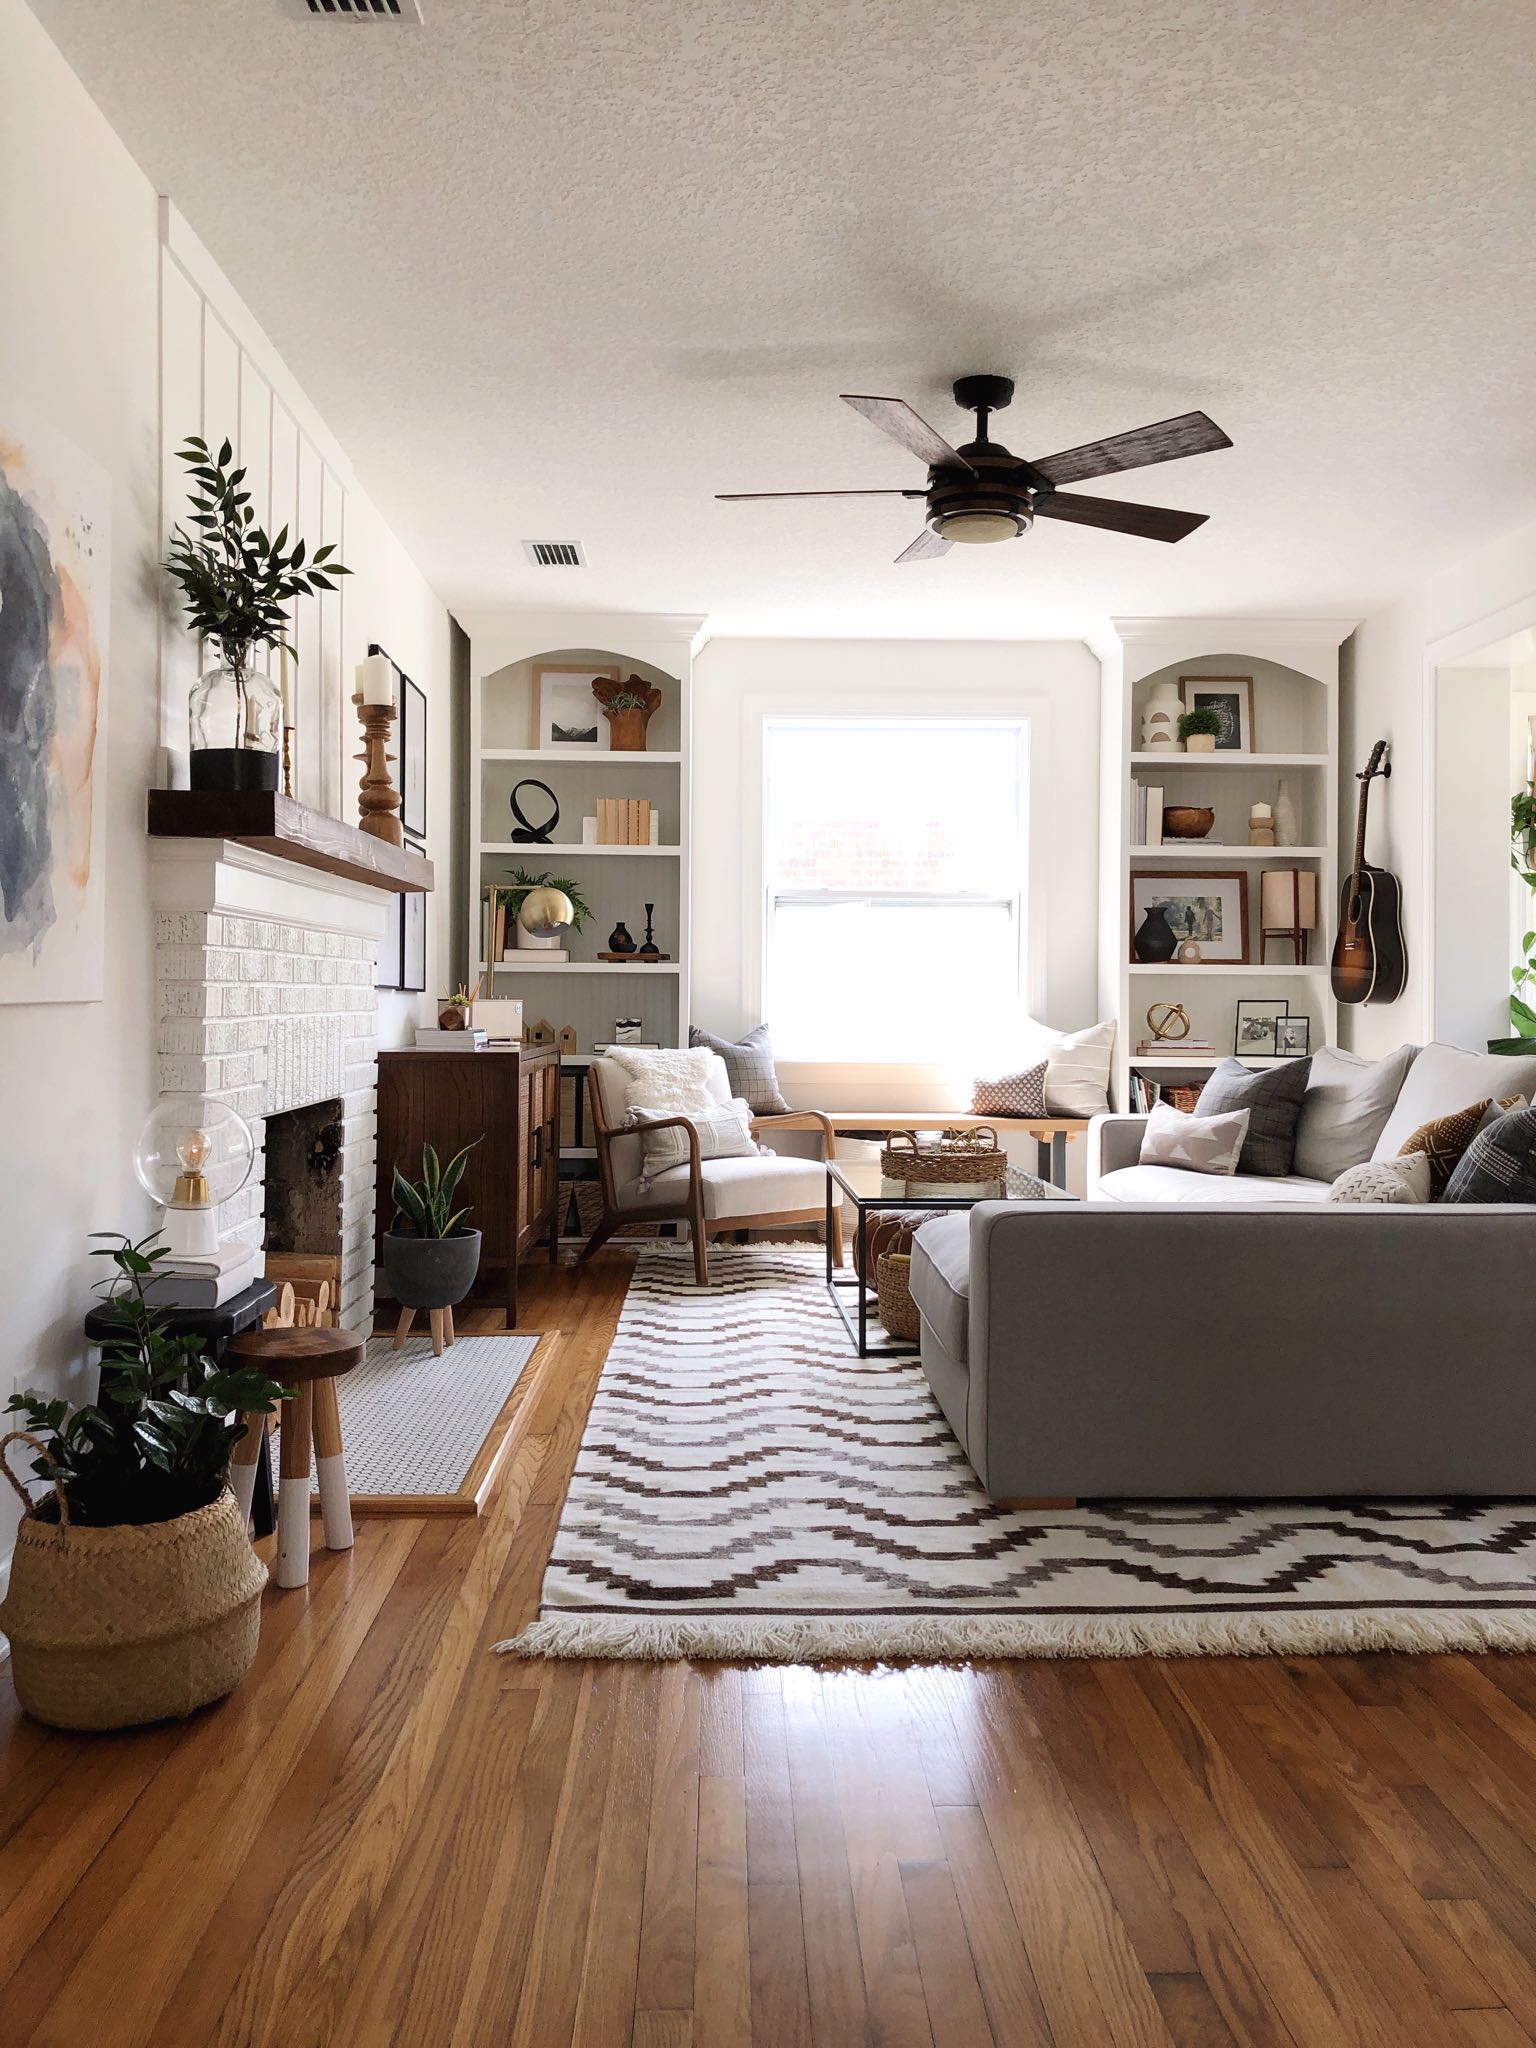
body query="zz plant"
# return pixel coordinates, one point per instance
(426, 1206)
(155, 1442)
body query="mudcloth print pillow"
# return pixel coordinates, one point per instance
(1500, 1163)
(1443, 1140)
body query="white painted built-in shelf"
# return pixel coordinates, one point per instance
(1202, 849)
(535, 966)
(1173, 970)
(1162, 757)
(570, 851)
(553, 758)
(1207, 1059)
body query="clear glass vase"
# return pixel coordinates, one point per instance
(236, 723)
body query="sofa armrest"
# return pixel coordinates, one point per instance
(1113, 1142)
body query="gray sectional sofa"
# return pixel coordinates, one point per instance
(1201, 1342)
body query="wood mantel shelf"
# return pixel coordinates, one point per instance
(276, 824)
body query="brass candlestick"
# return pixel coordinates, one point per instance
(287, 760)
(378, 799)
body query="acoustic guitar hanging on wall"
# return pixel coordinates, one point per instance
(1370, 961)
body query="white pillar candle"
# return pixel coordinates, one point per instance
(376, 680)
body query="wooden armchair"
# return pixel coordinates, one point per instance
(711, 1196)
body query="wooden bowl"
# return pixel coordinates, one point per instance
(1187, 821)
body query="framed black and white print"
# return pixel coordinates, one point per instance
(412, 728)
(1293, 1037)
(387, 973)
(413, 939)
(1256, 1033)
(1231, 698)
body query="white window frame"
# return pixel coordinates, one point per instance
(1029, 713)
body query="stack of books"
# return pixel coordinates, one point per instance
(627, 821)
(1174, 1048)
(432, 1038)
(205, 1280)
(1147, 819)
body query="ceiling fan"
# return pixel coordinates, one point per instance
(982, 493)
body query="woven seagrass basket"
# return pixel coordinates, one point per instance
(959, 1157)
(113, 1627)
(893, 1291)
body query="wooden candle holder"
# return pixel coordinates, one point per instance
(378, 799)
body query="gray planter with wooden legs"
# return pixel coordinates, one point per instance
(430, 1273)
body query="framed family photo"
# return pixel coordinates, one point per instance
(1257, 1027)
(1231, 698)
(1210, 909)
(567, 718)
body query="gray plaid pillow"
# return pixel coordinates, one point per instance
(749, 1063)
(1272, 1097)
(1500, 1163)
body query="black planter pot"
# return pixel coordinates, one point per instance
(232, 768)
(430, 1272)
(1155, 938)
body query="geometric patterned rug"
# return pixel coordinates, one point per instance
(748, 1489)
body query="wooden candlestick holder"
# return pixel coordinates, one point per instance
(378, 799)
(287, 760)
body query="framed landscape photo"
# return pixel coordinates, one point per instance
(1211, 909)
(1231, 698)
(1256, 1032)
(567, 718)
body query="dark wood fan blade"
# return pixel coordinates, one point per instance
(1190, 434)
(927, 544)
(895, 417)
(734, 497)
(1148, 522)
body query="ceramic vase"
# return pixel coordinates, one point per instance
(1160, 717)
(1154, 939)
(1285, 818)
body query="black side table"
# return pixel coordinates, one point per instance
(215, 1326)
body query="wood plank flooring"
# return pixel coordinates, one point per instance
(389, 1836)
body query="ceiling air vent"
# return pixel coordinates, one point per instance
(555, 554)
(354, 10)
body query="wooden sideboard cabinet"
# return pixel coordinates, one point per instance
(509, 1097)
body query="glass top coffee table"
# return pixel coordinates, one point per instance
(862, 1184)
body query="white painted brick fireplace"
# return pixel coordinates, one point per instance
(264, 976)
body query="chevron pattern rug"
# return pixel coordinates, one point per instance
(748, 1489)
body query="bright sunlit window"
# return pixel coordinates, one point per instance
(894, 862)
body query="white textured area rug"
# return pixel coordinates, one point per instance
(413, 1424)
(748, 1488)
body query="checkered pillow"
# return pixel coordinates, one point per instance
(1272, 1097)
(1021, 1094)
(1500, 1163)
(749, 1063)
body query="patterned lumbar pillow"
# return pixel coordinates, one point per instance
(1405, 1179)
(749, 1062)
(1200, 1144)
(1272, 1097)
(1443, 1140)
(1077, 1072)
(1500, 1163)
(1021, 1094)
(725, 1132)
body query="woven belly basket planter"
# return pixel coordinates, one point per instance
(134, 1622)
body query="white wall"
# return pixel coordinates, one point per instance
(79, 345)
(1384, 698)
(738, 683)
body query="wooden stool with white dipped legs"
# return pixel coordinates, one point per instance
(306, 1363)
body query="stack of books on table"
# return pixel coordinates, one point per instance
(205, 1280)
(433, 1038)
(1174, 1048)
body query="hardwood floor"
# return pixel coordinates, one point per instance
(390, 1836)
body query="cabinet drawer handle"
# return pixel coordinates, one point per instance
(538, 1146)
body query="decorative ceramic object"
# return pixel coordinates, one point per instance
(1261, 825)
(453, 1017)
(1187, 821)
(1168, 1022)
(1154, 939)
(619, 939)
(627, 1030)
(1188, 954)
(1200, 743)
(649, 950)
(1285, 817)
(1160, 718)
(525, 832)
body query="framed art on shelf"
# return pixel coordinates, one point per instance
(413, 941)
(1293, 1037)
(1256, 1031)
(567, 718)
(1231, 698)
(1211, 910)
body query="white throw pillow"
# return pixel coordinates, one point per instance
(1404, 1180)
(1200, 1144)
(725, 1132)
(1077, 1072)
(1345, 1109)
(670, 1082)
(1444, 1079)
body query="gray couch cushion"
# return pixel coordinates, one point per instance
(1500, 1163)
(1173, 1184)
(941, 1279)
(1272, 1098)
(1345, 1109)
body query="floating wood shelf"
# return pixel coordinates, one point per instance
(276, 824)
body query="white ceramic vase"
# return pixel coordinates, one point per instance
(1160, 716)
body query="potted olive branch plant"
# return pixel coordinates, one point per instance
(1200, 730)
(1522, 858)
(135, 1594)
(431, 1256)
(237, 584)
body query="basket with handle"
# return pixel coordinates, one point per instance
(961, 1158)
(111, 1627)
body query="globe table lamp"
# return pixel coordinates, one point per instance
(542, 915)
(194, 1153)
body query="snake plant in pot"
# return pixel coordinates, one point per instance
(431, 1255)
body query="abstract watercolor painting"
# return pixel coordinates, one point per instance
(55, 559)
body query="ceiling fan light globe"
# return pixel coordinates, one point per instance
(979, 529)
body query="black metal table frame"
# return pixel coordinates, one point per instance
(840, 1283)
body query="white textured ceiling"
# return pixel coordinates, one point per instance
(564, 269)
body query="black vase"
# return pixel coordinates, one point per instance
(619, 940)
(1155, 939)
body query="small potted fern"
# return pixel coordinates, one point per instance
(1200, 730)
(431, 1255)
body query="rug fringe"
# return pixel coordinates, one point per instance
(951, 1639)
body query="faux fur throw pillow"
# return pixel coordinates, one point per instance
(667, 1083)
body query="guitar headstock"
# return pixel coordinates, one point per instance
(1378, 764)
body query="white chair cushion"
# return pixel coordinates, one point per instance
(1173, 1184)
(767, 1184)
